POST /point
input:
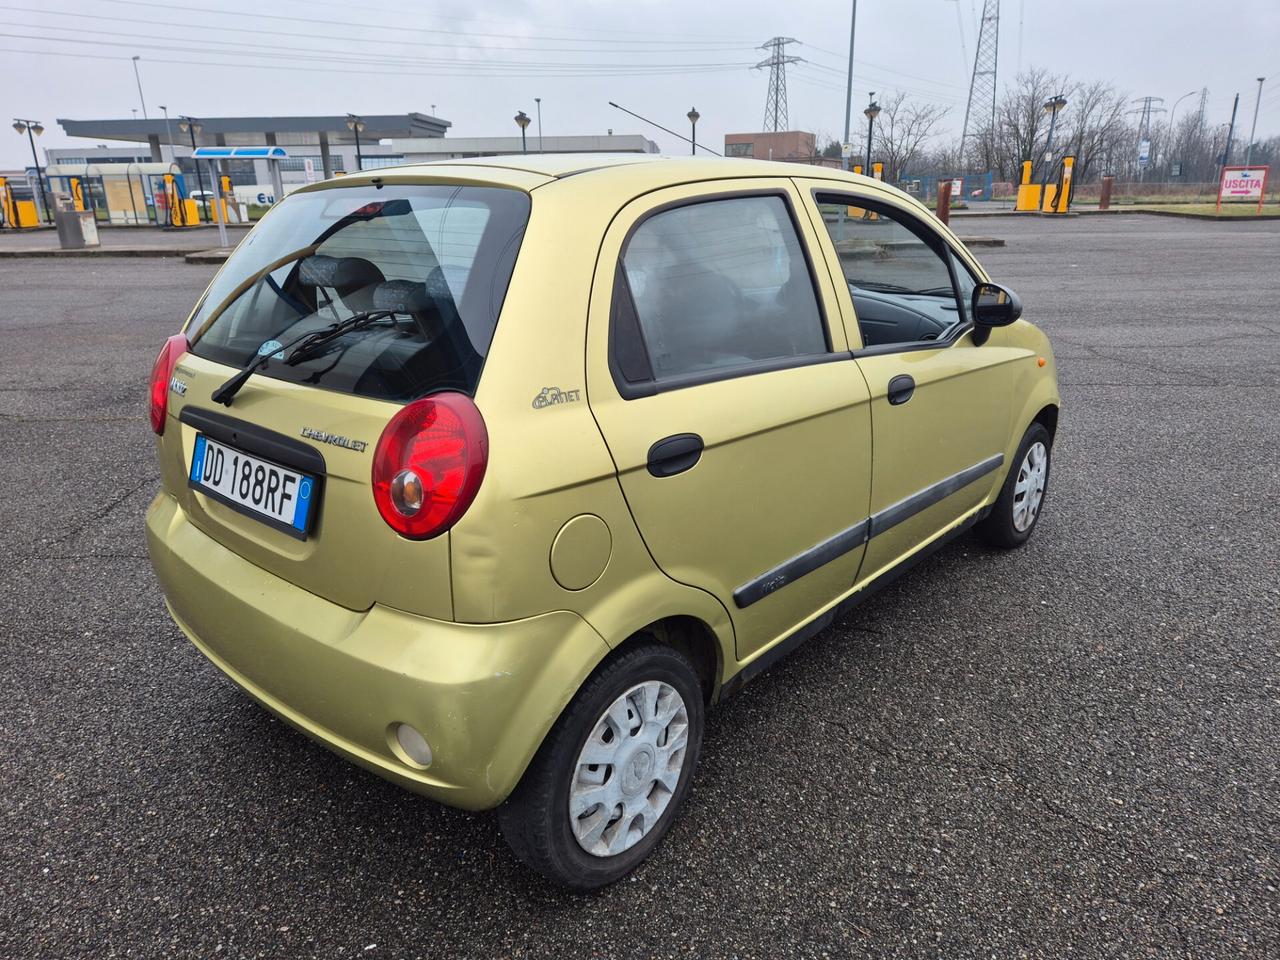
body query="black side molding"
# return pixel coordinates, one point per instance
(894, 514)
(848, 539)
(254, 439)
(824, 620)
(799, 565)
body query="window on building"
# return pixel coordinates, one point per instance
(376, 163)
(739, 150)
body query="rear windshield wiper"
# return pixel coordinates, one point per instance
(300, 347)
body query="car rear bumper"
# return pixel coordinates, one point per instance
(483, 696)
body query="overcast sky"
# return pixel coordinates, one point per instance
(481, 62)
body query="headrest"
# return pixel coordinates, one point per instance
(343, 274)
(402, 296)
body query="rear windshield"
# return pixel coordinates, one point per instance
(432, 261)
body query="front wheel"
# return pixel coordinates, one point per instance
(613, 772)
(1013, 516)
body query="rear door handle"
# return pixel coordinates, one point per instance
(674, 454)
(901, 388)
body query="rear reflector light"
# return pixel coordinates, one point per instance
(161, 374)
(429, 463)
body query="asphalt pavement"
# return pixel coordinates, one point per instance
(1071, 750)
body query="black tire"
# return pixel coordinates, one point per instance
(535, 819)
(999, 528)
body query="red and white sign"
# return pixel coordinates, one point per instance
(1243, 185)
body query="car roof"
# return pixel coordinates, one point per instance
(515, 169)
(610, 178)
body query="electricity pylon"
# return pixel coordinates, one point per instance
(980, 111)
(775, 102)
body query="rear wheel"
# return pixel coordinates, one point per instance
(1013, 516)
(610, 778)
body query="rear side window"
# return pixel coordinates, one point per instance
(711, 287)
(435, 259)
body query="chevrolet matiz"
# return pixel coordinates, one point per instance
(492, 476)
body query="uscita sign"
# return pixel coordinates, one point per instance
(1243, 185)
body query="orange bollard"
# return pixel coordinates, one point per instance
(944, 200)
(1104, 199)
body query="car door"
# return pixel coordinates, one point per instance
(720, 376)
(941, 404)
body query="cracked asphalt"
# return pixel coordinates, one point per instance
(1072, 750)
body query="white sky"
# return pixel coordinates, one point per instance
(481, 63)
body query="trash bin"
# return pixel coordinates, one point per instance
(77, 229)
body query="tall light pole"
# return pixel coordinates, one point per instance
(355, 125)
(137, 76)
(1173, 132)
(1248, 153)
(168, 132)
(872, 111)
(33, 129)
(848, 90)
(193, 126)
(693, 116)
(1051, 107)
(538, 101)
(522, 120)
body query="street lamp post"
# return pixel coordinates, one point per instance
(193, 126)
(168, 133)
(355, 125)
(33, 129)
(1051, 107)
(522, 120)
(872, 111)
(538, 101)
(1173, 131)
(694, 116)
(1248, 151)
(137, 76)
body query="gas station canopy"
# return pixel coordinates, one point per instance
(241, 153)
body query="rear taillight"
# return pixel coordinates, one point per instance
(161, 374)
(429, 463)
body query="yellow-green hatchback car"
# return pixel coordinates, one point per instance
(493, 475)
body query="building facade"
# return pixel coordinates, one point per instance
(793, 145)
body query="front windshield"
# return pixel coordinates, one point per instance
(438, 257)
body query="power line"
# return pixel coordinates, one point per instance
(364, 25)
(294, 34)
(323, 69)
(582, 69)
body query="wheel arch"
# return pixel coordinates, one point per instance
(1047, 417)
(690, 636)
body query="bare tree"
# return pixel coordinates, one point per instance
(1021, 120)
(902, 130)
(1095, 127)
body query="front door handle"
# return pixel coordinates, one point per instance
(901, 388)
(675, 454)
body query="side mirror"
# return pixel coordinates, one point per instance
(995, 306)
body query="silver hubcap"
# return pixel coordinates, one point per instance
(628, 769)
(1028, 490)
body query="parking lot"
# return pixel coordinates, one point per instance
(1070, 750)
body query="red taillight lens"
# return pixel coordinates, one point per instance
(161, 374)
(429, 463)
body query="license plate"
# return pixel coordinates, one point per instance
(276, 495)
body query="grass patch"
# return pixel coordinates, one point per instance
(1228, 209)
